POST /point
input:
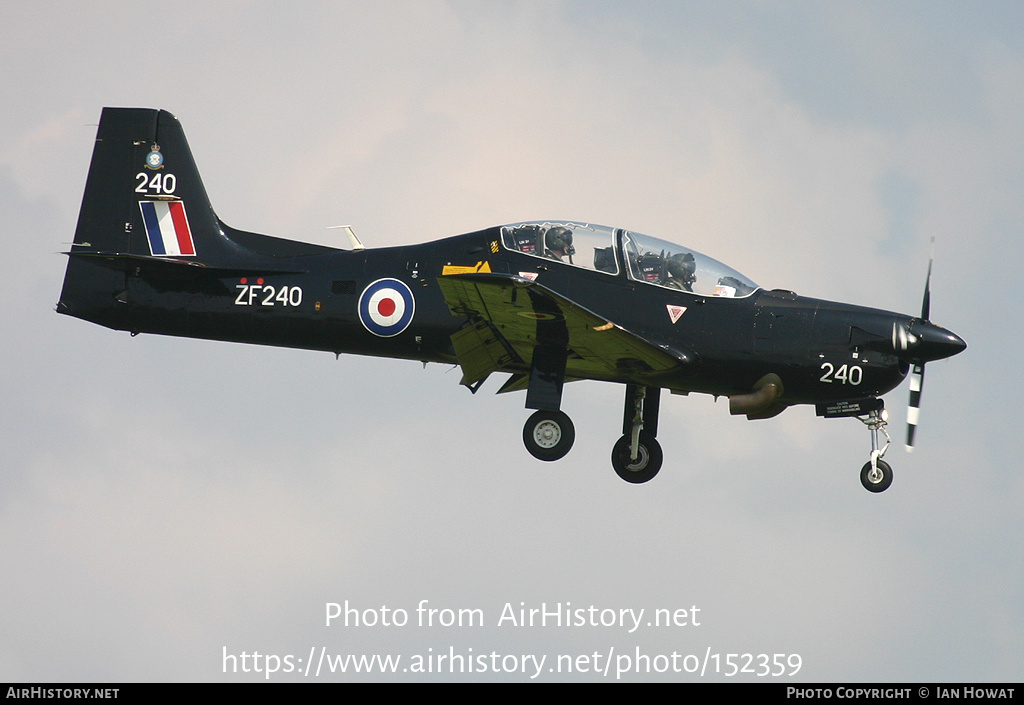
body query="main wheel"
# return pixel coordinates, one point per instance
(647, 463)
(879, 480)
(548, 435)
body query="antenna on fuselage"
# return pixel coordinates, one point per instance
(356, 245)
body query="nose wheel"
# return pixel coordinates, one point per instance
(876, 478)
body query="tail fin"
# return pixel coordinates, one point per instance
(146, 217)
(144, 195)
(144, 208)
(144, 205)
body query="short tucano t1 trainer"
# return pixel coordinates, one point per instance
(547, 302)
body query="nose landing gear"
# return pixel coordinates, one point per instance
(876, 475)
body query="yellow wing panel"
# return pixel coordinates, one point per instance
(516, 315)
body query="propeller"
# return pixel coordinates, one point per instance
(925, 341)
(918, 373)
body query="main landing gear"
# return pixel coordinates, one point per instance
(636, 457)
(876, 475)
(548, 435)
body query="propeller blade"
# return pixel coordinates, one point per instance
(926, 305)
(914, 408)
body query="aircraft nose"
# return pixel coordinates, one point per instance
(932, 342)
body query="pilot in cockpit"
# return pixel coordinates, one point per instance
(558, 243)
(680, 271)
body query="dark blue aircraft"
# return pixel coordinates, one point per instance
(547, 302)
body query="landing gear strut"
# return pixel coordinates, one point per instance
(876, 475)
(637, 456)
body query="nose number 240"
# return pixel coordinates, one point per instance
(844, 374)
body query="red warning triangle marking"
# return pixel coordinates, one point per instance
(674, 312)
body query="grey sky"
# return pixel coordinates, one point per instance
(162, 500)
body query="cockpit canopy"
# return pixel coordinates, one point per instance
(612, 250)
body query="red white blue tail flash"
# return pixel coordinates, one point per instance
(167, 228)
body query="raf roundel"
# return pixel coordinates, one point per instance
(386, 307)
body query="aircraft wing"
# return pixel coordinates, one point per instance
(509, 316)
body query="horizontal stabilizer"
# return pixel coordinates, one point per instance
(123, 261)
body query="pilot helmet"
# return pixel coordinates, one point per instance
(560, 238)
(681, 265)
